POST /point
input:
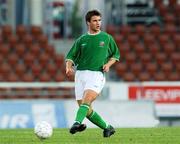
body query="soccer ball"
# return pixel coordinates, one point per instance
(43, 130)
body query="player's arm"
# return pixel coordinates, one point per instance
(69, 67)
(113, 54)
(71, 58)
(107, 66)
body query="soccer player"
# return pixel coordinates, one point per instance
(93, 54)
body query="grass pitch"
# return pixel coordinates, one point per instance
(162, 135)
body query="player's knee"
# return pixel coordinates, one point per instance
(89, 112)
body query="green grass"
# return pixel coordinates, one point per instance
(162, 135)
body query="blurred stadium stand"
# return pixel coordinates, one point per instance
(149, 45)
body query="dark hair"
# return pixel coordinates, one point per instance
(91, 13)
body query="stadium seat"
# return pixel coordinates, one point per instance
(42, 40)
(154, 48)
(160, 76)
(119, 39)
(20, 69)
(12, 77)
(174, 76)
(136, 68)
(36, 31)
(111, 29)
(121, 69)
(124, 48)
(129, 76)
(21, 31)
(27, 77)
(130, 58)
(163, 10)
(59, 77)
(29, 59)
(59, 60)
(145, 58)
(169, 19)
(12, 40)
(5, 49)
(155, 30)
(28, 40)
(169, 48)
(43, 59)
(51, 69)
(36, 70)
(170, 29)
(167, 68)
(140, 30)
(50, 50)
(44, 77)
(160, 58)
(13, 59)
(132, 39)
(20, 50)
(151, 68)
(149, 39)
(163, 39)
(35, 49)
(6, 32)
(139, 49)
(172, 3)
(125, 30)
(5, 69)
(175, 58)
(144, 76)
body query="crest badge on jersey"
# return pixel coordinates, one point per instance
(101, 44)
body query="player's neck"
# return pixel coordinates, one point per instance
(93, 32)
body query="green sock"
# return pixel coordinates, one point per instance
(96, 119)
(82, 112)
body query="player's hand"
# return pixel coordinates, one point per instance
(106, 68)
(69, 71)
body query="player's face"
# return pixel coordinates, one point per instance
(95, 24)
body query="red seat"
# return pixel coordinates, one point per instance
(155, 30)
(29, 59)
(129, 76)
(111, 29)
(167, 68)
(169, 19)
(13, 59)
(169, 48)
(139, 48)
(36, 70)
(124, 48)
(12, 40)
(163, 39)
(144, 76)
(42, 40)
(154, 48)
(125, 30)
(44, 77)
(119, 39)
(20, 69)
(151, 68)
(6, 32)
(44, 59)
(59, 60)
(4, 50)
(160, 76)
(27, 77)
(172, 3)
(36, 31)
(132, 39)
(174, 76)
(21, 31)
(136, 68)
(160, 58)
(175, 58)
(176, 39)
(146, 58)
(59, 77)
(5, 69)
(163, 9)
(20, 49)
(121, 69)
(35, 50)
(12, 77)
(140, 30)
(50, 50)
(27, 40)
(149, 39)
(130, 58)
(170, 29)
(51, 69)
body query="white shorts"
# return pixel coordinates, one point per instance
(87, 79)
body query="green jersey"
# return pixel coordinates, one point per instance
(91, 52)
